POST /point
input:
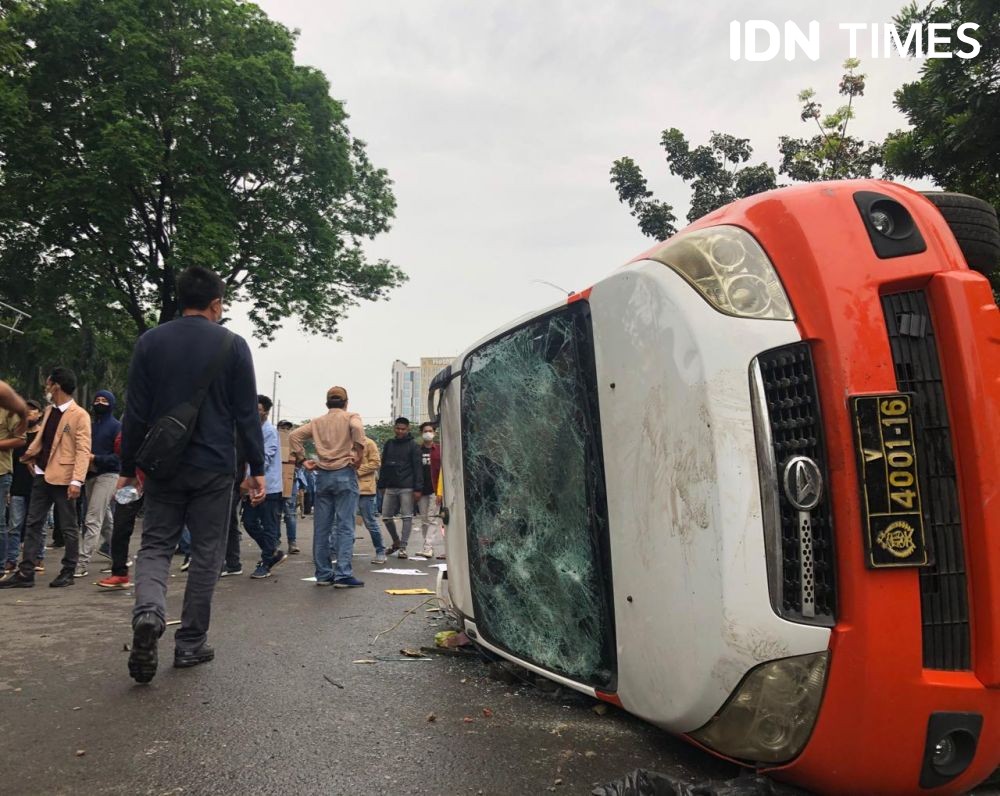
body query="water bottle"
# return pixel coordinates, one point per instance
(127, 494)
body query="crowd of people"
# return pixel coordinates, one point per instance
(194, 454)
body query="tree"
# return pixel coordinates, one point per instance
(718, 172)
(954, 108)
(380, 432)
(138, 137)
(831, 154)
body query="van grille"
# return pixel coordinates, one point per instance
(808, 578)
(944, 599)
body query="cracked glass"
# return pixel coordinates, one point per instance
(534, 496)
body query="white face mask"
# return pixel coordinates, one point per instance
(48, 397)
(428, 436)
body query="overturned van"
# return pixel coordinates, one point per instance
(744, 488)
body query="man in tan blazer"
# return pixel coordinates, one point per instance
(59, 457)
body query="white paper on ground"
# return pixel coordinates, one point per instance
(418, 558)
(310, 580)
(400, 571)
(443, 567)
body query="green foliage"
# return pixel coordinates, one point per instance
(831, 154)
(718, 172)
(954, 108)
(138, 137)
(380, 432)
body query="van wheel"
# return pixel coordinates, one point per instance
(974, 224)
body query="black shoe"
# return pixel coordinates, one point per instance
(185, 659)
(17, 580)
(64, 578)
(146, 629)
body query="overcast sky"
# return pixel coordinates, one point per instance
(498, 121)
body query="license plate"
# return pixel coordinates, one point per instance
(893, 517)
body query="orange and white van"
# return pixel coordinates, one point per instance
(747, 487)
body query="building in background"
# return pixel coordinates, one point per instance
(409, 386)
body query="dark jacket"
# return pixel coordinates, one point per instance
(103, 430)
(401, 465)
(167, 364)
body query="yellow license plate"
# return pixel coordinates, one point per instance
(892, 513)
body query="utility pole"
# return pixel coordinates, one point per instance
(279, 412)
(274, 394)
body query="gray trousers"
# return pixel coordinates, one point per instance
(202, 500)
(100, 492)
(398, 501)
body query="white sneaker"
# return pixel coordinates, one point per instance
(81, 572)
(427, 552)
(401, 553)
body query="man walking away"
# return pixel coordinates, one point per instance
(399, 478)
(339, 438)
(59, 457)
(263, 521)
(430, 468)
(103, 477)
(170, 364)
(370, 462)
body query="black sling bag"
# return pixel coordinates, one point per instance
(164, 445)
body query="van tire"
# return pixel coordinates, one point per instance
(974, 224)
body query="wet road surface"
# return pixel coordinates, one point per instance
(264, 718)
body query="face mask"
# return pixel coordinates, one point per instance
(101, 409)
(428, 436)
(48, 397)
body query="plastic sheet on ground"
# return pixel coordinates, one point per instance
(652, 783)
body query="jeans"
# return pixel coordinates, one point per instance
(291, 522)
(9, 548)
(366, 504)
(398, 501)
(263, 523)
(15, 529)
(336, 505)
(203, 500)
(184, 545)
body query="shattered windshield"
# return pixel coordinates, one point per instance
(534, 496)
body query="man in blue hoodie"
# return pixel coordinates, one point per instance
(102, 476)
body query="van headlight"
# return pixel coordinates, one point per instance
(770, 715)
(730, 269)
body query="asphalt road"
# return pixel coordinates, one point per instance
(264, 718)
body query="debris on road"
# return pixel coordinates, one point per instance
(387, 659)
(431, 717)
(412, 653)
(400, 571)
(487, 713)
(331, 682)
(406, 592)
(365, 660)
(652, 783)
(81, 752)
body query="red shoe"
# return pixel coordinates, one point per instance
(114, 582)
